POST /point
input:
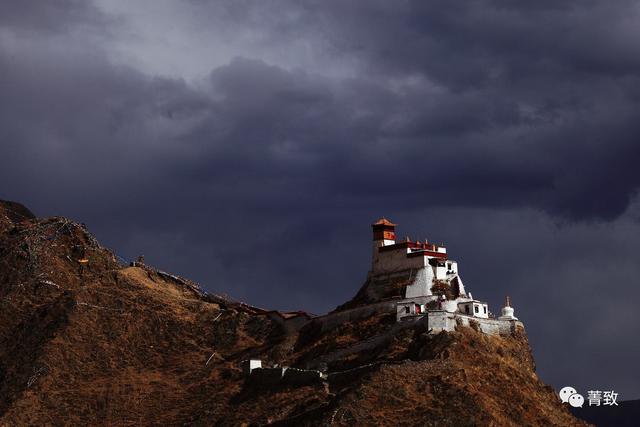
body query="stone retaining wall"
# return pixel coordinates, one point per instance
(446, 321)
(285, 376)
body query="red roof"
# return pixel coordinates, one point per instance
(384, 221)
(424, 249)
(427, 253)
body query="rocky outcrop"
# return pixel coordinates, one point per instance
(88, 340)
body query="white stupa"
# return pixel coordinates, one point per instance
(507, 311)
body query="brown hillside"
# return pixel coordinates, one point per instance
(85, 340)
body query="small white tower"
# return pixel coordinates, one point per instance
(507, 311)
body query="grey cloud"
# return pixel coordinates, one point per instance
(49, 17)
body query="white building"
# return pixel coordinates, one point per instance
(250, 364)
(436, 284)
(474, 308)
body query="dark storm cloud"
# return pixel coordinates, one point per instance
(49, 16)
(546, 94)
(513, 114)
(485, 124)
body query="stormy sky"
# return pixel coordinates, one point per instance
(250, 144)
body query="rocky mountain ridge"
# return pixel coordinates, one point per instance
(85, 339)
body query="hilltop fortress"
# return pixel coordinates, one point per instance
(418, 280)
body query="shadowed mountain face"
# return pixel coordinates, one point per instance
(86, 340)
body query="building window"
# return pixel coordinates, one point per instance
(476, 308)
(485, 309)
(466, 309)
(407, 310)
(418, 309)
